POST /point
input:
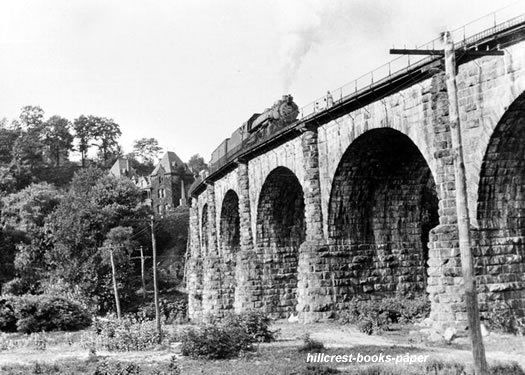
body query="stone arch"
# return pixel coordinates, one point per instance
(382, 205)
(204, 230)
(281, 229)
(229, 246)
(500, 254)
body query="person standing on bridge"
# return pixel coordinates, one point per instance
(329, 100)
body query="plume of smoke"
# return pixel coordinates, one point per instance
(307, 22)
(300, 27)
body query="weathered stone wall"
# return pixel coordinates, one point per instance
(486, 89)
(222, 187)
(247, 266)
(280, 231)
(382, 206)
(194, 265)
(229, 247)
(500, 237)
(289, 155)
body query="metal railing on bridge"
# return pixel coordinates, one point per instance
(465, 35)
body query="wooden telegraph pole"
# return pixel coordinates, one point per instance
(471, 299)
(114, 278)
(142, 272)
(155, 288)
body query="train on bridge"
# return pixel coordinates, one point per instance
(258, 127)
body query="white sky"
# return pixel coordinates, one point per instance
(189, 72)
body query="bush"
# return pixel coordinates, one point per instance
(367, 326)
(215, 342)
(170, 311)
(94, 367)
(16, 287)
(228, 337)
(49, 313)
(511, 368)
(256, 324)
(319, 370)
(502, 318)
(378, 315)
(7, 315)
(310, 345)
(126, 334)
(30, 313)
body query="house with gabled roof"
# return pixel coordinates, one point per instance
(169, 183)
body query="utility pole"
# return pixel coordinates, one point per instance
(142, 272)
(471, 299)
(155, 288)
(114, 277)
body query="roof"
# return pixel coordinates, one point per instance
(121, 168)
(170, 162)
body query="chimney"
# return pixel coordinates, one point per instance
(182, 201)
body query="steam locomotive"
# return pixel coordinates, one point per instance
(259, 126)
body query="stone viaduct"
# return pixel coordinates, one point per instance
(358, 200)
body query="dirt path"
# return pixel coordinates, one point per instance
(498, 347)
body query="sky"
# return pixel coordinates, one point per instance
(189, 72)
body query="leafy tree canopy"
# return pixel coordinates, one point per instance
(147, 150)
(197, 164)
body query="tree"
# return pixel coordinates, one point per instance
(117, 247)
(27, 149)
(23, 219)
(29, 207)
(58, 138)
(95, 203)
(147, 150)
(102, 131)
(32, 117)
(85, 128)
(7, 139)
(107, 133)
(197, 164)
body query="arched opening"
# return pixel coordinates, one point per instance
(382, 206)
(280, 231)
(229, 246)
(500, 253)
(204, 230)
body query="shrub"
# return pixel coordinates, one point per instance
(502, 318)
(215, 342)
(7, 315)
(377, 315)
(310, 345)
(124, 335)
(367, 326)
(170, 311)
(16, 287)
(99, 367)
(30, 313)
(256, 324)
(49, 313)
(319, 370)
(511, 368)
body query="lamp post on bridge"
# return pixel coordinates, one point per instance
(471, 300)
